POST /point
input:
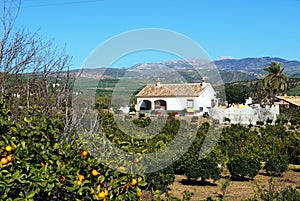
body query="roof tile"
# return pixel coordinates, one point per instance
(171, 90)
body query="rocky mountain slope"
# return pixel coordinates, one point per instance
(231, 70)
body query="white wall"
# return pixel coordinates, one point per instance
(173, 103)
(180, 103)
(246, 115)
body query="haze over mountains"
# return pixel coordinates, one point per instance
(231, 70)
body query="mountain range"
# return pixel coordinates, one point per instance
(231, 70)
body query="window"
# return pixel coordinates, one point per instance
(190, 103)
(200, 109)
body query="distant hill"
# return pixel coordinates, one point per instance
(255, 65)
(231, 70)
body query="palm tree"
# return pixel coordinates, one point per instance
(275, 80)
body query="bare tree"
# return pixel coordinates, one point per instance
(33, 72)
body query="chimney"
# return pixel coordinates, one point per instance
(203, 84)
(158, 82)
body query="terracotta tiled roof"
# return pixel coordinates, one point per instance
(295, 100)
(171, 90)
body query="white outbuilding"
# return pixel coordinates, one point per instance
(195, 98)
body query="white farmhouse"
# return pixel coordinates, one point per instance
(195, 98)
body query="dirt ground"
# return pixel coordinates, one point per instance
(237, 190)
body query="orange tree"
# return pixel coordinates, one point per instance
(195, 167)
(157, 181)
(39, 163)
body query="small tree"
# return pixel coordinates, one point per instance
(205, 169)
(244, 165)
(276, 165)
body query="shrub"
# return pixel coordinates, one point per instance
(205, 169)
(281, 119)
(159, 181)
(238, 139)
(276, 165)
(143, 122)
(132, 108)
(244, 165)
(142, 115)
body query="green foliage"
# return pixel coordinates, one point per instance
(236, 93)
(294, 91)
(132, 108)
(224, 187)
(142, 122)
(45, 164)
(159, 181)
(255, 89)
(244, 165)
(277, 140)
(142, 115)
(281, 119)
(186, 196)
(275, 80)
(195, 167)
(288, 193)
(276, 164)
(238, 139)
(205, 169)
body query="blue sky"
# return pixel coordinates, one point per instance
(235, 28)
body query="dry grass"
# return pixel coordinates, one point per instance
(237, 190)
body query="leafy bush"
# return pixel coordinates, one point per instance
(281, 119)
(39, 162)
(277, 140)
(190, 163)
(276, 164)
(143, 122)
(159, 181)
(205, 169)
(244, 165)
(132, 108)
(238, 139)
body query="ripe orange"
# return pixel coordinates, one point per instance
(133, 182)
(4, 161)
(101, 194)
(140, 194)
(105, 192)
(8, 148)
(9, 158)
(81, 177)
(95, 173)
(84, 153)
(127, 186)
(79, 182)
